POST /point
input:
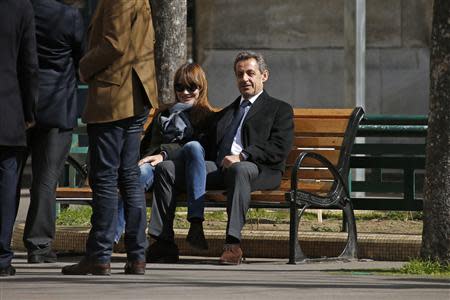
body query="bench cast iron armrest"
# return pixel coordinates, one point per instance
(334, 197)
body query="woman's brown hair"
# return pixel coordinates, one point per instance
(191, 74)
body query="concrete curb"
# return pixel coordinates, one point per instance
(267, 244)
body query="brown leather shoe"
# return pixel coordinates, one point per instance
(135, 267)
(232, 254)
(85, 267)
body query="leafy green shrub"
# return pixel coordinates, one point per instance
(425, 267)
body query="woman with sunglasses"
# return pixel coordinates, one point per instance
(173, 135)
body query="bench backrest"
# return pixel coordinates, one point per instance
(329, 132)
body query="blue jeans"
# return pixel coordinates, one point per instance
(193, 156)
(186, 173)
(146, 179)
(113, 156)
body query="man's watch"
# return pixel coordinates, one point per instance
(243, 156)
(163, 154)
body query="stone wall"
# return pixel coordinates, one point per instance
(303, 44)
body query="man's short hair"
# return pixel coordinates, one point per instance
(244, 55)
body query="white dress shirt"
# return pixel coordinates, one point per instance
(236, 147)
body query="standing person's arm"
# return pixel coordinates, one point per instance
(117, 20)
(78, 43)
(28, 67)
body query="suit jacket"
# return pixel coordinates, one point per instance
(121, 39)
(59, 36)
(18, 71)
(267, 134)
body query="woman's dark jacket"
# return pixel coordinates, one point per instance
(155, 142)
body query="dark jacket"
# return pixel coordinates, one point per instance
(155, 141)
(59, 36)
(267, 135)
(18, 71)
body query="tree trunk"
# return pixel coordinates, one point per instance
(436, 227)
(169, 20)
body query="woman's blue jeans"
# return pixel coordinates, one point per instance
(193, 157)
(186, 173)
(146, 179)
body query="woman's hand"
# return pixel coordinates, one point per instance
(152, 159)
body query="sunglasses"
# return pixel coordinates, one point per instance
(182, 88)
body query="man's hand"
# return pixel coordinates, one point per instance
(152, 159)
(29, 125)
(229, 160)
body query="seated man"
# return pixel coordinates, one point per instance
(246, 151)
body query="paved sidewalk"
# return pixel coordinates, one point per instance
(203, 278)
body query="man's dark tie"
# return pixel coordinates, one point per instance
(227, 141)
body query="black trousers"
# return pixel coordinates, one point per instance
(11, 160)
(49, 148)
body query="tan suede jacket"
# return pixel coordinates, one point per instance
(121, 39)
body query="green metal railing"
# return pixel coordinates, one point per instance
(392, 154)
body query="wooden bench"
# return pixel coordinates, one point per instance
(316, 175)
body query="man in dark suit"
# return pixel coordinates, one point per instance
(18, 96)
(59, 37)
(249, 146)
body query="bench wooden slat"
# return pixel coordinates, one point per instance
(70, 192)
(265, 196)
(308, 185)
(309, 174)
(316, 126)
(322, 112)
(331, 155)
(317, 142)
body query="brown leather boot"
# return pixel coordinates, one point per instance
(135, 267)
(85, 267)
(232, 254)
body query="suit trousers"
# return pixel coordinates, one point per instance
(113, 157)
(238, 180)
(49, 148)
(186, 173)
(11, 161)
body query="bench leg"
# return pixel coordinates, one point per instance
(351, 248)
(295, 252)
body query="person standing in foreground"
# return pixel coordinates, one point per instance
(59, 37)
(247, 150)
(18, 97)
(119, 68)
